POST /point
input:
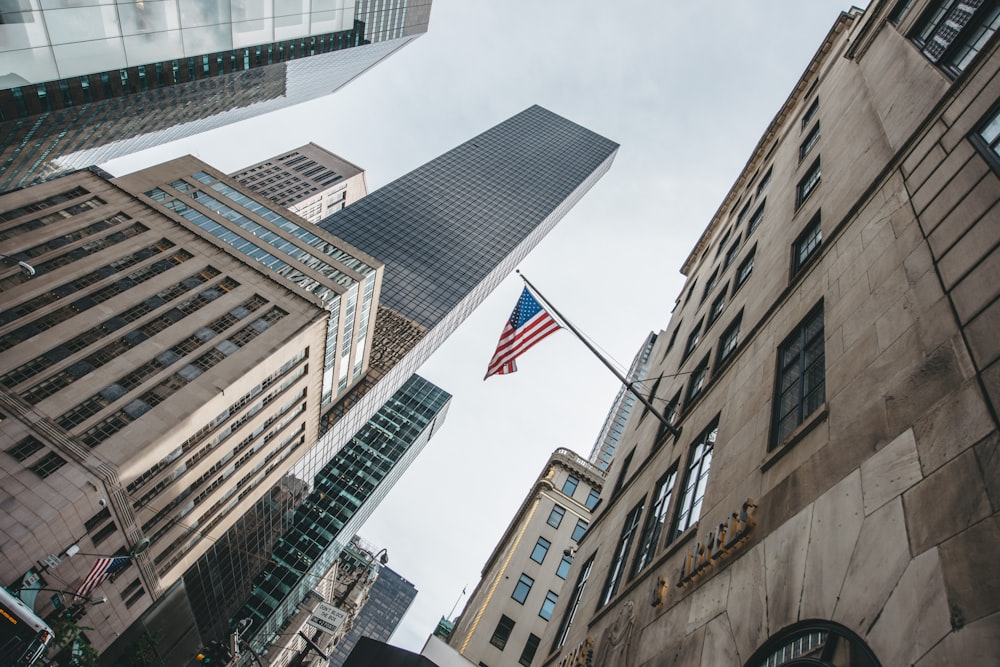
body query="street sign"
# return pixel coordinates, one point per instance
(327, 618)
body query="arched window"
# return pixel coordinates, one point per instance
(814, 644)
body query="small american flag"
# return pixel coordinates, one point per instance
(528, 324)
(103, 568)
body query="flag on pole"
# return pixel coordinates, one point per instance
(103, 568)
(528, 324)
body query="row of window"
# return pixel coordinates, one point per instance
(502, 633)
(804, 248)
(799, 393)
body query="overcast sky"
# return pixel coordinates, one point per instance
(686, 87)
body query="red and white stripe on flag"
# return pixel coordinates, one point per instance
(528, 324)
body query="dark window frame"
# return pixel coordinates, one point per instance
(810, 112)
(544, 549)
(529, 650)
(696, 471)
(744, 270)
(794, 363)
(808, 184)
(623, 548)
(548, 605)
(724, 355)
(988, 148)
(502, 632)
(557, 510)
(522, 585)
(652, 529)
(941, 18)
(809, 142)
(807, 244)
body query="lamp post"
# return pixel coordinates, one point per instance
(27, 270)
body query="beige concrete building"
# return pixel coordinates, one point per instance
(154, 382)
(832, 497)
(508, 612)
(309, 181)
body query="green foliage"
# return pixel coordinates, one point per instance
(142, 654)
(70, 647)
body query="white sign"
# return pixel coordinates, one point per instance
(327, 618)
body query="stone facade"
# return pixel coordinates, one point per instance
(505, 617)
(840, 506)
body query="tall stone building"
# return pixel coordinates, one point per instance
(309, 181)
(154, 386)
(832, 496)
(526, 575)
(82, 83)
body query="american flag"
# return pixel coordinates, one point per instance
(528, 324)
(103, 568)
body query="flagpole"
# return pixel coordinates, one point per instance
(621, 378)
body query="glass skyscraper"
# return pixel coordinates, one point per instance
(344, 494)
(388, 601)
(82, 83)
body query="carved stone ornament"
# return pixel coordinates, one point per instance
(616, 648)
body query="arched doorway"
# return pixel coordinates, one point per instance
(815, 643)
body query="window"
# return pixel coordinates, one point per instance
(806, 244)
(756, 219)
(731, 254)
(728, 342)
(711, 285)
(743, 272)
(692, 341)
(48, 465)
(580, 530)
(716, 309)
(952, 32)
(809, 142)
(670, 412)
(807, 184)
(502, 633)
(697, 380)
(592, 499)
(743, 213)
(25, 448)
(522, 589)
(548, 605)
(541, 548)
(723, 242)
(556, 516)
(574, 604)
(899, 11)
(801, 384)
(626, 462)
(986, 138)
(622, 549)
(699, 462)
(690, 291)
(765, 179)
(563, 570)
(569, 486)
(810, 112)
(673, 338)
(655, 520)
(530, 647)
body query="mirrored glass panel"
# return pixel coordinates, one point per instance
(148, 16)
(99, 55)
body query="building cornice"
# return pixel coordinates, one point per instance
(770, 135)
